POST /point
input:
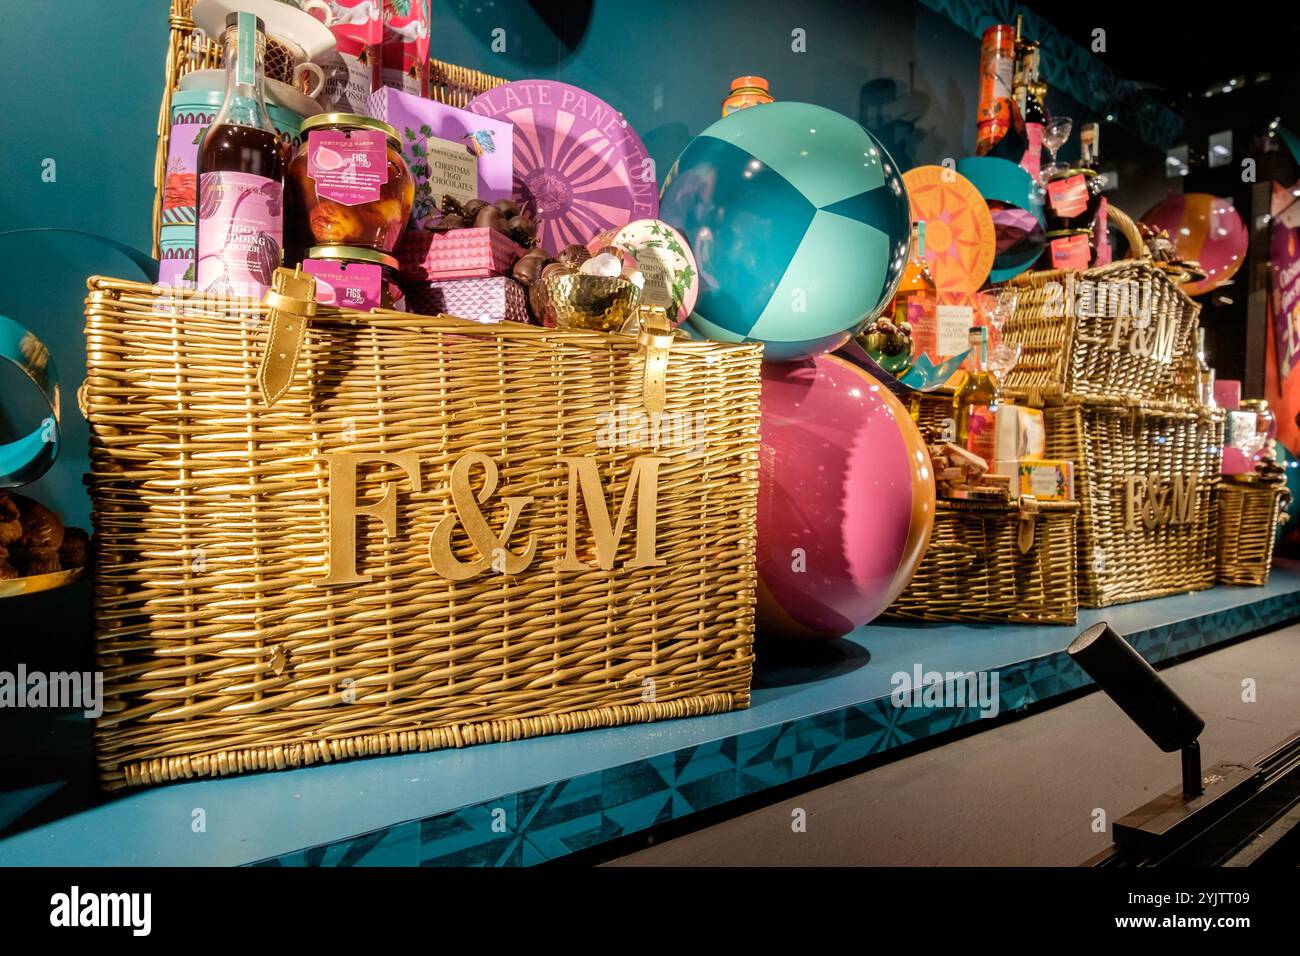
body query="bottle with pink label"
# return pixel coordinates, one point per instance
(241, 176)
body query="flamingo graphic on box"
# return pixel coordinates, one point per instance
(406, 46)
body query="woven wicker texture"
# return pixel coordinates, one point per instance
(187, 52)
(1065, 352)
(222, 654)
(933, 413)
(974, 569)
(1120, 558)
(1248, 519)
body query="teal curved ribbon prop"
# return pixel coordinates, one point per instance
(25, 459)
(1001, 180)
(146, 263)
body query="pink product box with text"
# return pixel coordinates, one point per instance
(493, 299)
(456, 254)
(429, 130)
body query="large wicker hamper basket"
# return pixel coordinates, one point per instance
(223, 649)
(1145, 476)
(1118, 332)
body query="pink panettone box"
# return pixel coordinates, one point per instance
(456, 254)
(491, 299)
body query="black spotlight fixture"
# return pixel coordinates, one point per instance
(1166, 718)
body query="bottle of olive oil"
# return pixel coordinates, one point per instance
(241, 176)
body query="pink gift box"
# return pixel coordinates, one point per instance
(1227, 394)
(491, 299)
(416, 119)
(1235, 461)
(456, 254)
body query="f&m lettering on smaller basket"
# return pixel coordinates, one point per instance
(1153, 501)
(467, 511)
(1129, 304)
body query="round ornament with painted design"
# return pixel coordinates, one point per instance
(663, 256)
(799, 222)
(960, 240)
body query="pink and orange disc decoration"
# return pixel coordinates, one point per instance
(845, 498)
(1205, 229)
(960, 241)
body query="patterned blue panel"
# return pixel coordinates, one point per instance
(1070, 68)
(550, 822)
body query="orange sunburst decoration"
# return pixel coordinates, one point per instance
(959, 238)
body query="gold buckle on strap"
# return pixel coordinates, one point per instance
(292, 300)
(655, 339)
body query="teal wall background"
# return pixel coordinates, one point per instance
(88, 99)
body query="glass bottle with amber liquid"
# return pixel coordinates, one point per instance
(916, 279)
(976, 399)
(1204, 372)
(241, 176)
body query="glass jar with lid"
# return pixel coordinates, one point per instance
(746, 91)
(1265, 420)
(354, 277)
(350, 182)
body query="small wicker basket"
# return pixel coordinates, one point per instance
(1145, 475)
(1249, 513)
(991, 561)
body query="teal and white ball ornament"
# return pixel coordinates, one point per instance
(799, 222)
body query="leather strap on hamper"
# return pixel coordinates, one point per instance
(292, 299)
(656, 337)
(1028, 523)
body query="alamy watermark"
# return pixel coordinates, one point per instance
(76, 908)
(630, 426)
(949, 689)
(58, 690)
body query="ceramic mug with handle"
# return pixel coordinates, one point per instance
(309, 78)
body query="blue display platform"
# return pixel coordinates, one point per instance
(534, 800)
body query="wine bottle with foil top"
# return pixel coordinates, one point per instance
(241, 176)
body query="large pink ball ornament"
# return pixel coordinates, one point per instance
(845, 499)
(1207, 230)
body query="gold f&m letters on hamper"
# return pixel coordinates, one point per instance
(292, 302)
(1133, 326)
(493, 550)
(1154, 501)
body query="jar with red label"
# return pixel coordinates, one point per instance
(350, 182)
(1073, 199)
(353, 277)
(1069, 249)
